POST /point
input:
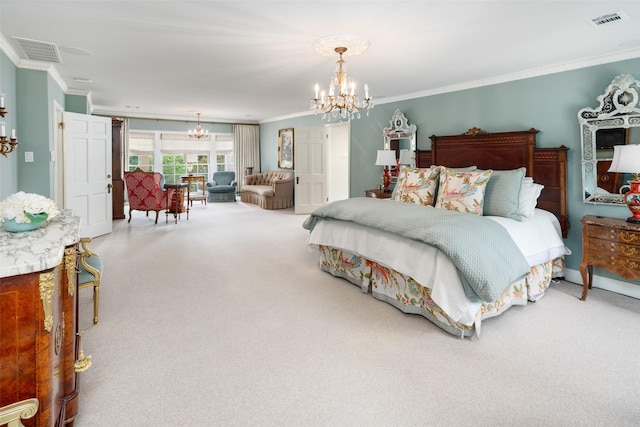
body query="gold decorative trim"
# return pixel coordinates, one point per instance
(474, 131)
(70, 266)
(46, 295)
(83, 362)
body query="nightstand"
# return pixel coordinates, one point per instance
(378, 194)
(609, 243)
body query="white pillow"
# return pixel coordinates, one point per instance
(528, 199)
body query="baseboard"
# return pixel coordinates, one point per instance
(600, 282)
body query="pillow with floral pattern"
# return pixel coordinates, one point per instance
(462, 191)
(417, 185)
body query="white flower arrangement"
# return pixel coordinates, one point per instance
(27, 207)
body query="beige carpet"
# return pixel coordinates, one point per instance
(226, 320)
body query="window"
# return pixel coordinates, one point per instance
(140, 151)
(174, 166)
(224, 153)
(174, 154)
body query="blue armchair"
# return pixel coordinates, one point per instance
(222, 187)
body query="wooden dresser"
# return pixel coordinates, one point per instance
(609, 243)
(378, 194)
(39, 347)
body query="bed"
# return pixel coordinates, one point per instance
(450, 244)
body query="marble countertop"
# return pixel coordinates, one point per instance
(40, 249)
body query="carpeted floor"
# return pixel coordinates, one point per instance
(226, 320)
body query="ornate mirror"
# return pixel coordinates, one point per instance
(401, 137)
(616, 121)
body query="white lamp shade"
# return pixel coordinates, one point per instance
(386, 158)
(626, 159)
(405, 157)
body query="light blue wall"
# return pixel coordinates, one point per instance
(9, 164)
(36, 92)
(33, 130)
(178, 125)
(77, 104)
(548, 103)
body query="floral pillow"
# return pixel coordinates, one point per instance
(417, 185)
(462, 191)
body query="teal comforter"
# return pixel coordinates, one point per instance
(482, 250)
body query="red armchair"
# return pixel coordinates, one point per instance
(145, 192)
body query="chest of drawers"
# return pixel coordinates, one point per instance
(609, 243)
(378, 194)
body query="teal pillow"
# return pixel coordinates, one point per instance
(502, 194)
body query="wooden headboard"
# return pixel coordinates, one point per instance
(503, 151)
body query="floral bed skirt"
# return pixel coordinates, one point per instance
(409, 296)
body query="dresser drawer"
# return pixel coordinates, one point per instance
(614, 247)
(628, 268)
(626, 236)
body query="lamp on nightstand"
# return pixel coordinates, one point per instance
(386, 158)
(405, 157)
(626, 159)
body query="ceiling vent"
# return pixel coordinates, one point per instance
(39, 51)
(608, 19)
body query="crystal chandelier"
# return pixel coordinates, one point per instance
(345, 103)
(198, 132)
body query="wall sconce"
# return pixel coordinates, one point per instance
(6, 145)
(2, 110)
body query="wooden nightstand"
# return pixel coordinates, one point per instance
(609, 243)
(378, 194)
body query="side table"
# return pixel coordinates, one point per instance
(177, 200)
(378, 194)
(195, 196)
(609, 243)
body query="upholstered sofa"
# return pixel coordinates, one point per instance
(222, 187)
(269, 190)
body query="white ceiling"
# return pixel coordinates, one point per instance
(251, 61)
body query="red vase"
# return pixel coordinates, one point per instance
(386, 179)
(632, 199)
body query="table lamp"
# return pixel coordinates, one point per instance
(386, 158)
(626, 159)
(405, 157)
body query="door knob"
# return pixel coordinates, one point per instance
(109, 176)
(109, 188)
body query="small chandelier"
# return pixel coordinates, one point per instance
(344, 104)
(198, 132)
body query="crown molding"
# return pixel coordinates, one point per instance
(527, 74)
(101, 111)
(9, 51)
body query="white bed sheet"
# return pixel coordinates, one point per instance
(538, 238)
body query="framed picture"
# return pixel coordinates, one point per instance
(285, 148)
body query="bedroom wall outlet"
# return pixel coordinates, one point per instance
(28, 156)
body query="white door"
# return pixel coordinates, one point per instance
(310, 169)
(87, 172)
(338, 172)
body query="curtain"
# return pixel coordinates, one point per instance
(246, 141)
